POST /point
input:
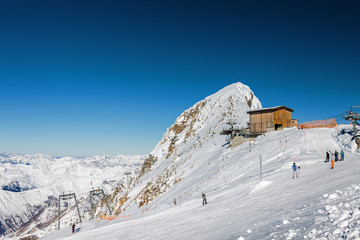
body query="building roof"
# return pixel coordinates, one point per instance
(270, 109)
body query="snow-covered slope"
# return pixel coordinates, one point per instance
(322, 203)
(208, 118)
(31, 183)
(176, 155)
(194, 157)
(172, 159)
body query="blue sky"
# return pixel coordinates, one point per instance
(79, 78)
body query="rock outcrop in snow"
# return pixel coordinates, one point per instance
(193, 157)
(194, 128)
(169, 164)
(209, 116)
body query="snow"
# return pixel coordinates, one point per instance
(322, 203)
(47, 176)
(260, 185)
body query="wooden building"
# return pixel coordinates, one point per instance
(294, 122)
(269, 119)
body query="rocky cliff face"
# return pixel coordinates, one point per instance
(177, 157)
(171, 160)
(209, 116)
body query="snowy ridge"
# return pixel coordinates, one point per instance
(193, 157)
(322, 203)
(193, 129)
(210, 115)
(197, 126)
(42, 178)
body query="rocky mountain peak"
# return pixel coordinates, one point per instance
(209, 116)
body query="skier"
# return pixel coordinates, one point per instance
(73, 228)
(342, 155)
(332, 161)
(204, 199)
(336, 156)
(327, 156)
(294, 167)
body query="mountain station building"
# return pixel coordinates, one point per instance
(270, 119)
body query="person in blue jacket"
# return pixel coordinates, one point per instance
(342, 155)
(294, 167)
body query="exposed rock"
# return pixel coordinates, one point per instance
(32, 237)
(14, 186)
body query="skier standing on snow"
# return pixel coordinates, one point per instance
(336, 156)
(294, 167)
(204, 199)
(73, 228)
(332, 161)
(342, 155)
(327, 156)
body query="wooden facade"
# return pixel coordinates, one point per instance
(270, 119)
(294, 122)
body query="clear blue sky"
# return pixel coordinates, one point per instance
(79, 78)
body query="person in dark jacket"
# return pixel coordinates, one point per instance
(327, 156)
(73, 228)
(204, 199)
(336, 156)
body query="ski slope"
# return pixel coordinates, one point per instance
(322, 203)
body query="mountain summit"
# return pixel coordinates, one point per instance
(209, 116)
(250, 190)
(174, 169)
(199, 126)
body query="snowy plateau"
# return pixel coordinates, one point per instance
(164, 196)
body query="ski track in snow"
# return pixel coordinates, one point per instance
(320, 204)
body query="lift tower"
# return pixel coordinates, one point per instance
(95, 193)
(67, 197)
(353, 117)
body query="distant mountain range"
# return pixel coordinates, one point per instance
(32, 182)
(41, 178)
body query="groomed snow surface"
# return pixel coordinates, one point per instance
(322, 203)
